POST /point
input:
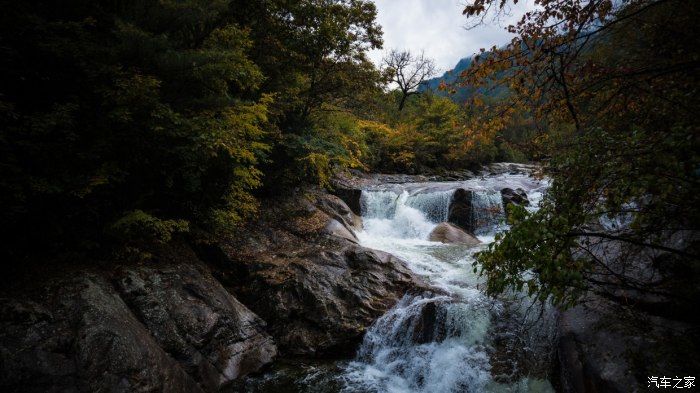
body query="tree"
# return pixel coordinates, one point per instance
(141, 119)
(125, 120)
(408, 71)
(614, 86)
(313, 54)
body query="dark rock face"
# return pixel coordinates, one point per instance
(516, 197)
(317, 291)
(448, 233)
(167, 327)
(320, 299)
(619, 336)
(596, 351)
(193, 318)
(339, 210)
(428, 327)
(461, 210)
(83, 338)
(351, 196)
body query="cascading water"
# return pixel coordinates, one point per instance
(453, 338)
(401, 215)
(487, 212)
(434, 205)
(450, 340)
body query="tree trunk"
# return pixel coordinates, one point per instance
(403, 101)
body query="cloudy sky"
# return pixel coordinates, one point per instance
(438, 28)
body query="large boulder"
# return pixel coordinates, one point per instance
(637, 320)
(460, 211)
(348, 187)
(319, 299)
(430, 325)
(591, 356)
(605, 346)
(448, 233)
(339, 210)
(166, 327)
(81, 336)
(193, 318)
(335, 228)
(317, 291)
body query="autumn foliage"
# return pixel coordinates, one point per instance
(612, 89)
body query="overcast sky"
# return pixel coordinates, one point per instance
(437, 27)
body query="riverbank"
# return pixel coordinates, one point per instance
(188, 317)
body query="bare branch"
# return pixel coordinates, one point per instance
(408, 71)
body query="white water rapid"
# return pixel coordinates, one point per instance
(453, 339)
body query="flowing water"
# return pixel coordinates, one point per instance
(453, 338)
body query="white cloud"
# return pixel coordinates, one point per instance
(438, 28)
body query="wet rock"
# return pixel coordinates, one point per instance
(157, 327)
(318, 292)
(448, 233)
(516, 197)
(351, 197)
(335, 228)
(348, 187)
(461, 209)
(194, 319)
(429, 327)
(511, 168)
(79, 335)
(339, 210)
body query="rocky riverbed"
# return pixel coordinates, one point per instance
(366, 290)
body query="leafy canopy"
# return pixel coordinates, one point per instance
(613, 87)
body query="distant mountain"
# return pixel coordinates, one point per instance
(449, 76)
(461, 94)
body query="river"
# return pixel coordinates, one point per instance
(453, 338)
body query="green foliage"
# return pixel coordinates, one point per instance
(132, 117)
(622, 140)
(536, 256)
(313, 56)
(433, 133)
(108, 109)
(334, 141)
(179, 110)
(140, 226)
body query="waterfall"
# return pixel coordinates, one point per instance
(434, 205)
(447, 336)
(488, 214)
(383, 203)
(403, 215)
(378, 204)
(424, 344)
(450, 340)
